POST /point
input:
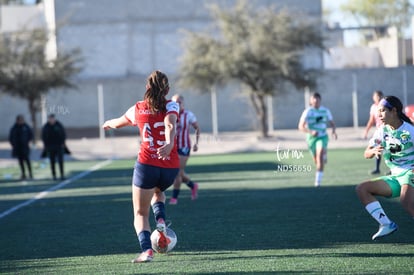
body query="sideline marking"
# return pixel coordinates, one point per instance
(54, 188)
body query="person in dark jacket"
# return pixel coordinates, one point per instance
(54, 138)
(20, 137)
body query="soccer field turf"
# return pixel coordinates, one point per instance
(257, 213)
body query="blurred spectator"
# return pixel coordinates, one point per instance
(20, 137)
(54, 138)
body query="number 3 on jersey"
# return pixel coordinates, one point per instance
(154, 134)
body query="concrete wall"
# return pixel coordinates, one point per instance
(123, 41)
(336, 88)
(78, 109)
(124, 37)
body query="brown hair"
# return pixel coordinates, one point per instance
(379, 93)
(156, 89)
(316, 95)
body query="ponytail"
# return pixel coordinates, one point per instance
(157, 88)
(404, 117)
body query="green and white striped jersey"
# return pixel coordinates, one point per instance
(398, 146)
(317, 119)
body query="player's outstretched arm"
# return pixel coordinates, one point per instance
(116, 123)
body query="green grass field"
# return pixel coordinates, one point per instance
(255, 215)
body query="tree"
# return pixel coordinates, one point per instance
(25, 71)
(200, 66)
(261, 48)
(396, 13)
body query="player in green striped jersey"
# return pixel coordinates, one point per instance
(394, 141)
(314, 122)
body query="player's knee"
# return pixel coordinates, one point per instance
(361, 189)
(407, 205)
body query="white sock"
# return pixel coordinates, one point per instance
(375, 210)
(318, 177)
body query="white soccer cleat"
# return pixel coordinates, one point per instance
(144, 257)
(385, 230)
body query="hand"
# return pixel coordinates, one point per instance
(314, 133)
(108, 125)
(195, 148)
(334, 135)
(377, 151)
(164, 151)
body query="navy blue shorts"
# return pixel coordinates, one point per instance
(148, 176)
(185, 151)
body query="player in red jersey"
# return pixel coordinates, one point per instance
(157, 164)
(374, 120)
(186, 119)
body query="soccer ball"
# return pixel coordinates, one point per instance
(171, 239)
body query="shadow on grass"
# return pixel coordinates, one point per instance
(232, 167)
(222, 219)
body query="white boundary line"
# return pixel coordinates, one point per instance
(54, 188)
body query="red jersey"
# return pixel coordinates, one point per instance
(152, 130)
(373, 111)
(186, 119)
